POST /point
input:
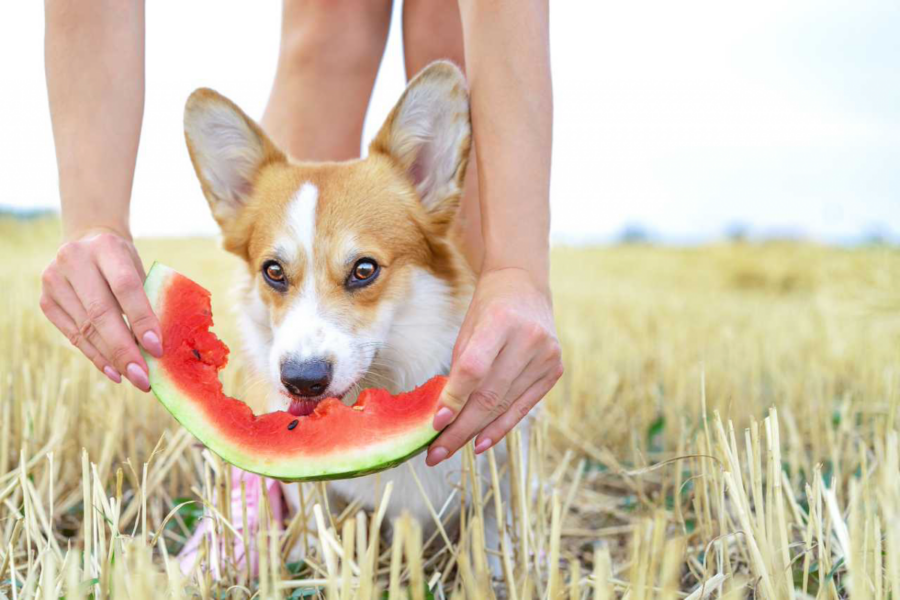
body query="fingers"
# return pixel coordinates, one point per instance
(127, 286)
(470, 366)
(495, 400)
(56, 315)
(86, 290)
(85, 331)
(60, 291)
(503, 424)
(103, 324)
(485, 403)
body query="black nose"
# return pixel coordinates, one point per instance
(308, 378)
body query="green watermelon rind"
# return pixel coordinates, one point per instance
(340, 464)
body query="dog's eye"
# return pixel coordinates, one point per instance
(364, 272)
(273, 273)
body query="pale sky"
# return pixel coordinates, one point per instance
(684, 117)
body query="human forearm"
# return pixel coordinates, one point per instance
(94, 60)
(508, 66)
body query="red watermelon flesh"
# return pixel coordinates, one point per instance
(334, 441)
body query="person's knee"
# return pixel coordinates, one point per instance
(337, 36)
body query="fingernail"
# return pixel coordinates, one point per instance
(435, 456)
(442, 418)
(112, 374)
(151, 344)
(137, 376)
(483, 445)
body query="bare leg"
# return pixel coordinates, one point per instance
(329, 58)
(432, 30)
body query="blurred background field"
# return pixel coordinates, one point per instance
(655, 472)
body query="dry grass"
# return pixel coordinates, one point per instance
(726, 428)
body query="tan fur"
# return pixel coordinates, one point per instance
(362, 199)
(398, 207)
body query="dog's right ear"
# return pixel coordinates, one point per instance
(228, 150)
(428, 136)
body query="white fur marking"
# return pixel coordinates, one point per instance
(308, 331)
(301, 220)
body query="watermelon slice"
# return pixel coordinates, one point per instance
(335, 441)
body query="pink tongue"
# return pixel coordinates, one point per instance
(301, 408)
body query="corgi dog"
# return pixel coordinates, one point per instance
(354, 274)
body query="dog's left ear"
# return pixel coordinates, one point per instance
(428, 135)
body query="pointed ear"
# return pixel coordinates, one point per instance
(228, 150)
(428, 135)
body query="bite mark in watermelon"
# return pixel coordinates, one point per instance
(334, 442)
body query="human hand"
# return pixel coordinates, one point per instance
(506, 358)
(93, 280)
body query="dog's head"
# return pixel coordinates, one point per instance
(347, 263)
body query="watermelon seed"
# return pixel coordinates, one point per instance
(293, 424)
(196, 353)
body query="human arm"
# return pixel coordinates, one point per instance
(94, 61)
(507, 356)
